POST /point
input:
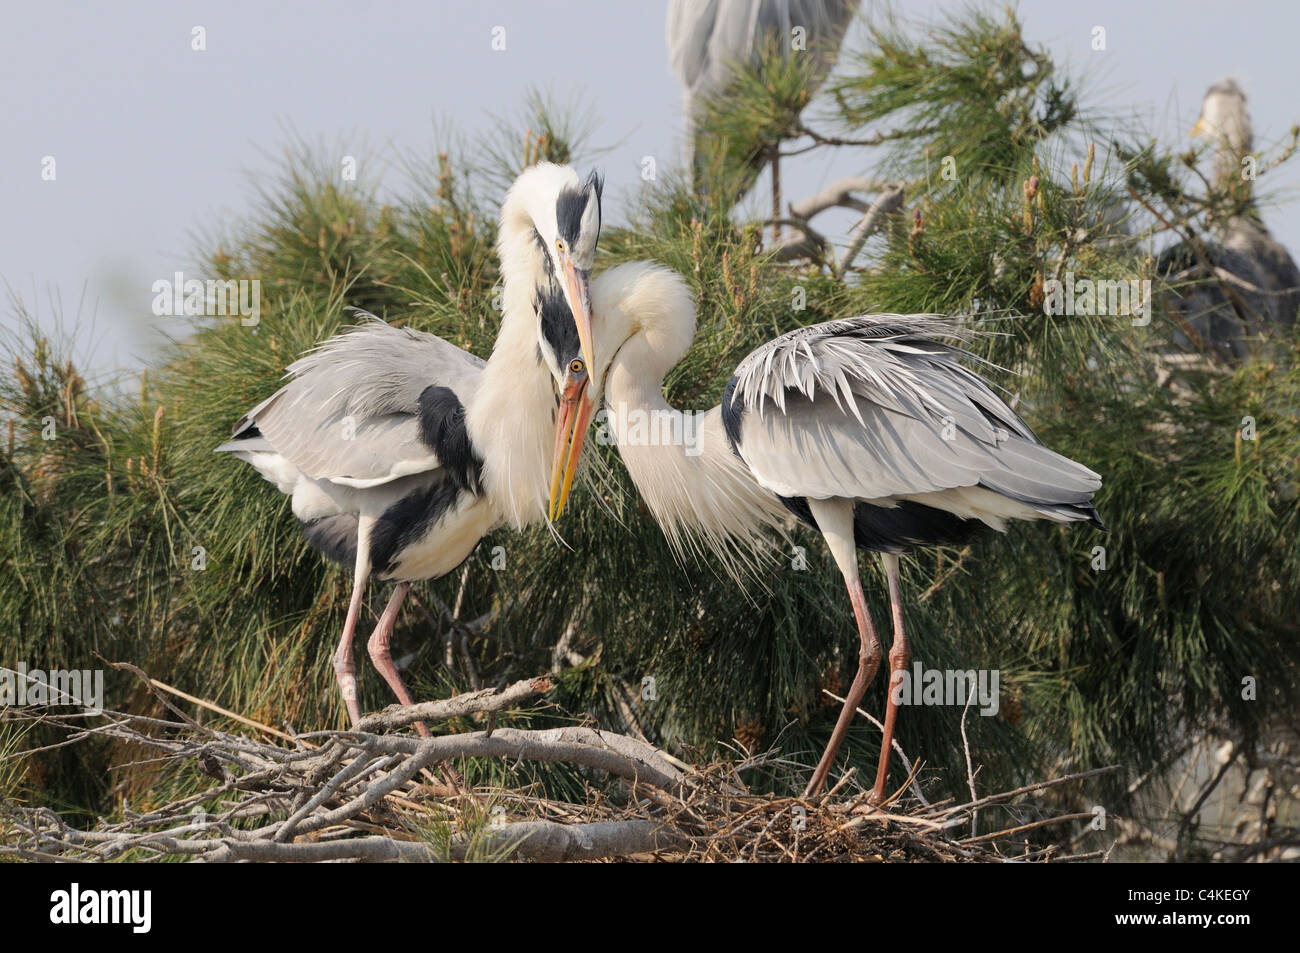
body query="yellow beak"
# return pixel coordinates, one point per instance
(578, 293)
(570, 429)
(1199, 128)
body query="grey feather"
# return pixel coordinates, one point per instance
(708, 38)
(873, 408)
(350, 414)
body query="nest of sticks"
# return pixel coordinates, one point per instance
(378, 793)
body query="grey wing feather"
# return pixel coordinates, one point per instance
(707, 39)
(880, 407)
(351, 412)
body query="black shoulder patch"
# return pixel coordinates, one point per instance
(409, 520)
(732, 412)
(558, 327)
(442, 427)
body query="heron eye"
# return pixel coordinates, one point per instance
(576, 366)
(559, 244)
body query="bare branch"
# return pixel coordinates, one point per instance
(890, 200)
(484, 700)
(807, 243)
(838, 193)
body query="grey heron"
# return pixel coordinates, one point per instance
(1252, 286)
(401, 451)
(707, 39)
(870, 429)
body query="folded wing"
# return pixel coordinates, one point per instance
(882, 408)
(363, 409)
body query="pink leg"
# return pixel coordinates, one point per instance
(382, 657)
(868, 662)
(899, 656)
(344, 667)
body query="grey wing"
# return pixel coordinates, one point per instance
(706, 39)
(689, 26)
(880, 408)
(351, 413)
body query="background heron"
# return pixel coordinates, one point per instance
(869, 429)
(707, 41)
(1243, 286)
(401, 451)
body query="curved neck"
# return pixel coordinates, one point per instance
(698, 491)
(511, 417)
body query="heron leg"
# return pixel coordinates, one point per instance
(345, 669)
(383, 658)
(868, 662)
(835, 520)
(900, 654)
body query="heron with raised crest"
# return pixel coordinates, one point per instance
(401, 451)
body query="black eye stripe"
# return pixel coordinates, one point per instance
(568, 214)
(571, 206)
(557, 327)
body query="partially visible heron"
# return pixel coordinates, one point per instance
(1245, 287)
(708, 39)
(401, 451)
(869, 429)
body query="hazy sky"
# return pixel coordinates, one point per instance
(154, 142)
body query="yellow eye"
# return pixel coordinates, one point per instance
(576, 366)
(559, 244)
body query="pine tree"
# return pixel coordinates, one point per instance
(994, 184)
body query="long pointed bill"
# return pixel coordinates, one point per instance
(570, 429)
(578, 293)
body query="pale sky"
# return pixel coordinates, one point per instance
(155, 142)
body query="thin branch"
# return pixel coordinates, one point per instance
(890, 200)
(970, 773)
(484, 700)
(838, 193)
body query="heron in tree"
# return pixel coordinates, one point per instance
(871, 429)
(708, 40)
(401, 451)
(1243, 287)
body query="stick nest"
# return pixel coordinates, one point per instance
(377, 793)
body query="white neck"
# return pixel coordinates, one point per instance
(511, 418)
(701, 494)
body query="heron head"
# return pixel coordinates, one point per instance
(559, 347)
(1224, 117)
(572, 248)
(571, 423)
(565, 212)
(644, 317)
(561, 211)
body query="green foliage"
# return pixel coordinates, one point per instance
(1201, 570)
(743, 127)
(972, 89)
